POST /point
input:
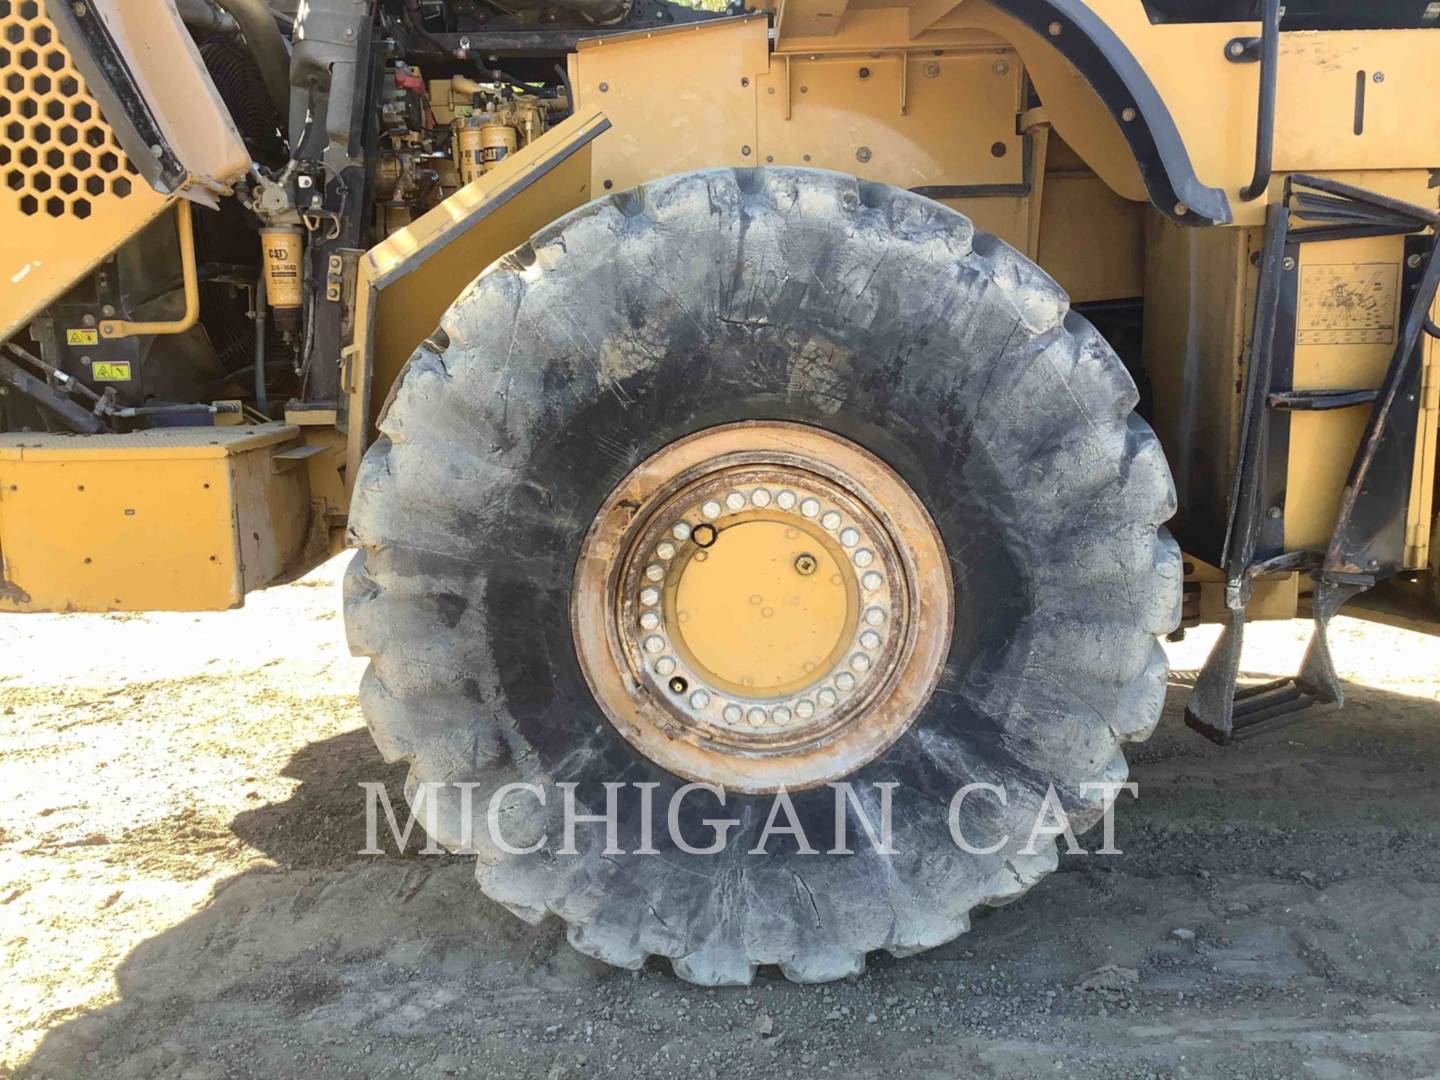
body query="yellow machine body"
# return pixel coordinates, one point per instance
(929, 95)
(69, 194)
(872, 91)
(175, 519)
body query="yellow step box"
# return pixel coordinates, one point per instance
(175, 519)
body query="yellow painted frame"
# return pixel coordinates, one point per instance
(173, 519)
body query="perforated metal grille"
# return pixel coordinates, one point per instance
(58, 156)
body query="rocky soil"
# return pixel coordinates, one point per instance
(181, 895)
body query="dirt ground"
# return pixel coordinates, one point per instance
(180, 894)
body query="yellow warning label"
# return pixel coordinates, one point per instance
(110, 371)
(1347, 304)
(81, 337)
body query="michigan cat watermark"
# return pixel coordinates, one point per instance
(685, 820)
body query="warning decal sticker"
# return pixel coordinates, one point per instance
(111, 371)
(1347, 304)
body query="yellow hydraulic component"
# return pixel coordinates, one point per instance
(119, 328)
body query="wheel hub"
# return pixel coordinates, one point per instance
(762, 605)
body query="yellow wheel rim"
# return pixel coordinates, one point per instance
(762, 605)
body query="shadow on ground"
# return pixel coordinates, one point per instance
(1302, 867)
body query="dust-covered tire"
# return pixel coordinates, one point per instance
(778, 294)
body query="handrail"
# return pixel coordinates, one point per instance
(119, 328)
(1265, 114)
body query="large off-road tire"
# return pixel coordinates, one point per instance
(763, 294)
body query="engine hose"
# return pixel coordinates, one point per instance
(262, 402)
(203, 16)
(565, 82)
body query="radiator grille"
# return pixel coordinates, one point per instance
(58, 156)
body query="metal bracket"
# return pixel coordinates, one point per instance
(1243, 50)
(334, 277)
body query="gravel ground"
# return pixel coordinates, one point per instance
(180, 894)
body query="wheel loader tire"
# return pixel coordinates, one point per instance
(768, 294)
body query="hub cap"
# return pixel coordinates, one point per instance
(762, 605)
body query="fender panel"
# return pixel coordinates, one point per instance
(405, 282)
(1105, 62)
